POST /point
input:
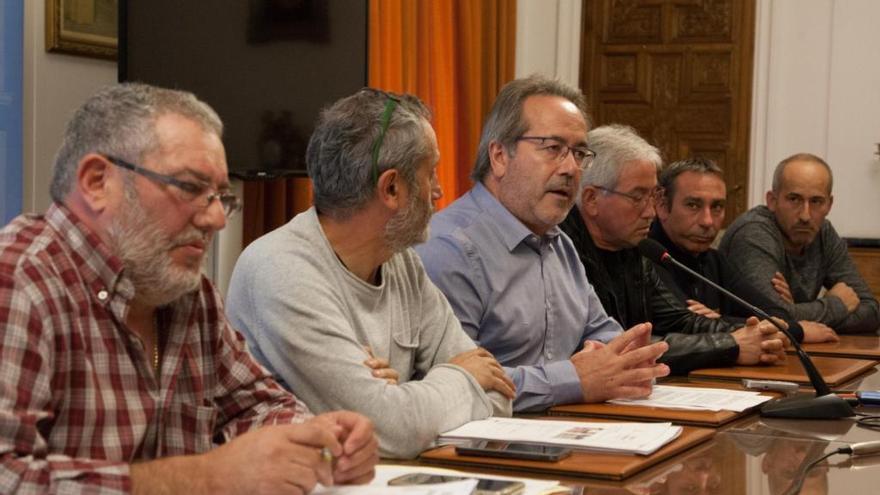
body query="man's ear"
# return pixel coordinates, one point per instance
(662, 208)
(499, 160)
(389, 189)
(770, 199)
(589, 201)
(93, 185)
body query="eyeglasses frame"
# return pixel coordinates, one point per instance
(654, 195)
(585, 164)
(185, 186)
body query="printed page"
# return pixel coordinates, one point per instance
(698, 398)
(387, 472)
(637, 438)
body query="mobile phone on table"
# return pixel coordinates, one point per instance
(771, 385)
(513, 450)
(868, 398)
(484, 486)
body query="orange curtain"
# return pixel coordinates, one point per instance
(453, 54)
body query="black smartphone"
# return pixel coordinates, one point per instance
(868, 398)
(484, 486)
(513, 450)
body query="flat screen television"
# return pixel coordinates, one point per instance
(267, 66)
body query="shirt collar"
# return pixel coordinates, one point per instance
(511, 230)
(100, 269)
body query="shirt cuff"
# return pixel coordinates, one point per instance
(564, 382)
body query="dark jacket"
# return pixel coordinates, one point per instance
(714, 266)
(631, 292)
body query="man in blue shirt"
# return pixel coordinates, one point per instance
(514, 279)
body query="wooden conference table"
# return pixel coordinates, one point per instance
(751, 455)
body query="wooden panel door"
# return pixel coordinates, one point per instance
(680, 72)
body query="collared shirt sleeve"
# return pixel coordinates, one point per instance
(542, 386)
(600, 327)
(454, 265)
(26, 364)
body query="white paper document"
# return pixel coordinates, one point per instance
(386, 472)
(698, 399)
(623, 438)
(463, 487)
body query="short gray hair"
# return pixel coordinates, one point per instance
(800, 157)
(697, 164)
(505, 122)
(339, 155)
(615, 145)
(120, 121)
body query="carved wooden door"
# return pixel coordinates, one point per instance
(680, 72)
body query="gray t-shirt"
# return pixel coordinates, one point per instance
(754, 243)
(308, 319)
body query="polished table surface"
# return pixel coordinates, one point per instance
(756, 455)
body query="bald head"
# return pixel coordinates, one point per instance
(780, 175)
(801, 199)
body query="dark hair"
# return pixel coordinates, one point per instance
(697, 164)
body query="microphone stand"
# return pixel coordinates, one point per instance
(825, 405)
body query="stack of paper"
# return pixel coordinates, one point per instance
(618, 438)
(385, 473)
(698, 399)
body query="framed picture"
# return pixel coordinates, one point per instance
(82, 27)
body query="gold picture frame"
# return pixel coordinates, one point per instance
(82, 27)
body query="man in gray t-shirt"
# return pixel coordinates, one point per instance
(338, 306)
(790, 252)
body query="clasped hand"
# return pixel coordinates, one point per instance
(624, 368)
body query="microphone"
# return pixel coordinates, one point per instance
(824, 405)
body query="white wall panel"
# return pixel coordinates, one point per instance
(817, 89)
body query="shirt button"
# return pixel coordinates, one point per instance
(102, 295)
(549, 355)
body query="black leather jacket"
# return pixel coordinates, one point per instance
(714, 266)
(631, 292)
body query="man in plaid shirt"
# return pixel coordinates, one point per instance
(118, 370)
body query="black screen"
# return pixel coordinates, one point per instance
(266, 66)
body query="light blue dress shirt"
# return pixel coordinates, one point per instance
(523, 297)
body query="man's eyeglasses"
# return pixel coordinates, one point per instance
(639, 199)
(190, 192)
(555, 149)
(390, 104)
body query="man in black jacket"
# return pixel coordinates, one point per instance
(689, 216)
(614, 212)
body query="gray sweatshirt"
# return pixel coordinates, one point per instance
(754, 244)
(308, 319)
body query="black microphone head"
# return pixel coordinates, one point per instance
(653, 250)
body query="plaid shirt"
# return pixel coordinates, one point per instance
(79, 400)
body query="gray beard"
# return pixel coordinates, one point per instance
(409, 226)
(145, 253)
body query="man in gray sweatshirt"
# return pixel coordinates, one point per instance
(338, 306)
(789, 251)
